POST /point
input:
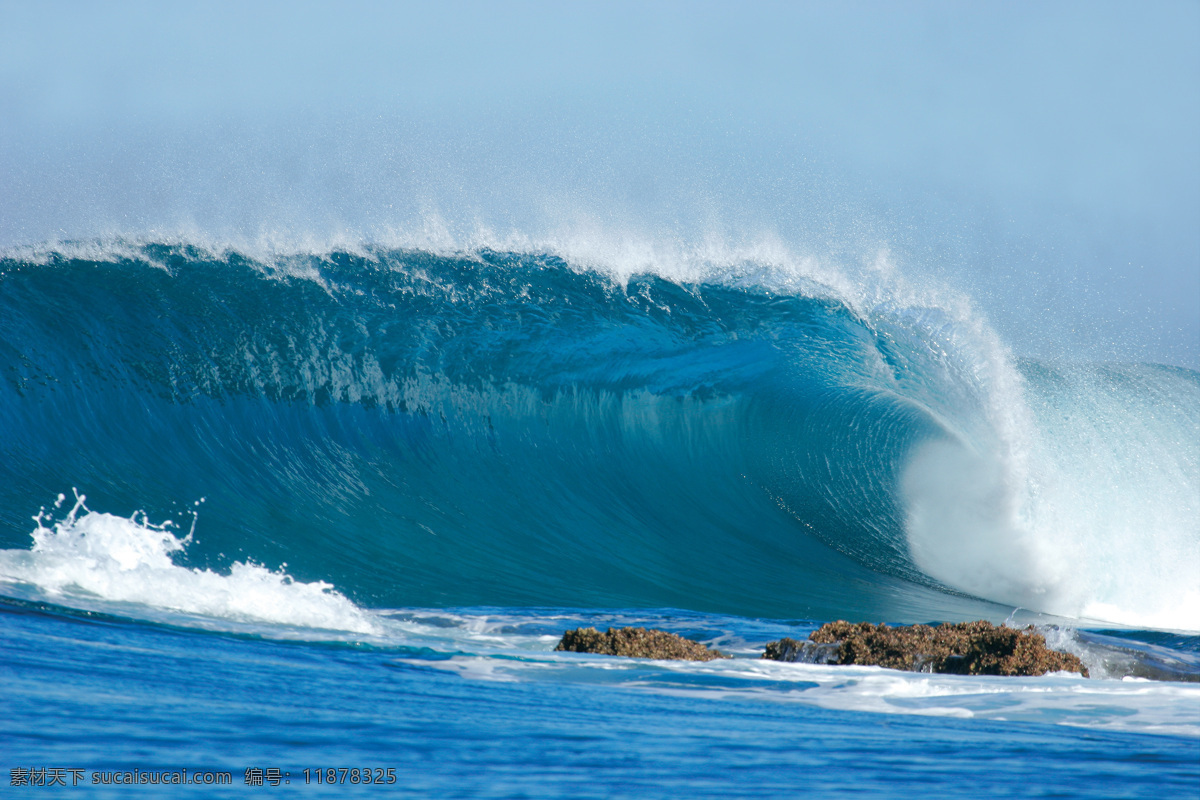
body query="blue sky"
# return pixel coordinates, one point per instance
(1045, 157)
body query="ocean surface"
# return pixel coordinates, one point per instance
(266, 514)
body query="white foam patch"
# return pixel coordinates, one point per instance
(1065, 699)
(90, 556)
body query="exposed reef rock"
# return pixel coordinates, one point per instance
(966, 648)
(636, 643)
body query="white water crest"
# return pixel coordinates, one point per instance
(90, 557)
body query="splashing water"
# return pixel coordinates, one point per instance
(97, 556)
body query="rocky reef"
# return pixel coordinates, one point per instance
(636, 643)
(967, 648)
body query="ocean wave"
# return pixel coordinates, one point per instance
(480, 426)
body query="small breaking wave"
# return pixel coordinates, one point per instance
(91, 557)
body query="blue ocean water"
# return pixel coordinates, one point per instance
(333, 508)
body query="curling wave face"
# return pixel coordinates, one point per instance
(491, 427)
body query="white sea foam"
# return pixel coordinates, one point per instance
(90, 557)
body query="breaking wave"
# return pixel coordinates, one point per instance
(529, 427)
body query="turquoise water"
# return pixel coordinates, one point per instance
(334, 509)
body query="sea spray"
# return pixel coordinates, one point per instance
(1108, 530)
(92, 556)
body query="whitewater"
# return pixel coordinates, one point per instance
(360, 491)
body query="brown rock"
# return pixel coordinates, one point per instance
(636, 643)
(786, 649)
(966, 648)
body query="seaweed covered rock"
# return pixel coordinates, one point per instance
(966, 648)
(636, 643)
